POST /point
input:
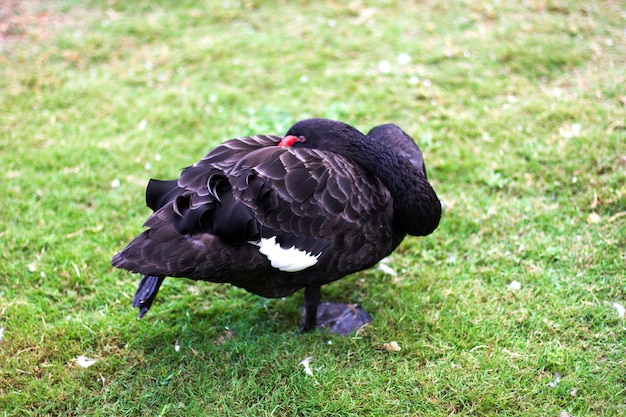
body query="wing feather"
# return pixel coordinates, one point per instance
(249, 188)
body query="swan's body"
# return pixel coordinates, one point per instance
(273, 219)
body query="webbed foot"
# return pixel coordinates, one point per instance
(342, 319)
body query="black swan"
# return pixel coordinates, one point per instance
(275, 214)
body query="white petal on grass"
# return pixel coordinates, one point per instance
(84, 361)
(384, 67)
(305, 362)
(621, 310)
(568, 132)
(383, 265)
(555, 382)
(404, 59)
(1, 334)
(515, 286)
(143, 124)
(177, 346)
(115, 183)
(387, 269)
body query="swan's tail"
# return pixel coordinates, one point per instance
(146, 293)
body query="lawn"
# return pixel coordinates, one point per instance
(513, 307)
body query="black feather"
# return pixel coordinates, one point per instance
(346, 198)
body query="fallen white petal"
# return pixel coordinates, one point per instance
(384, 67)
(387, 269)
(307, 368)
(115, 183)
(177, 347)
(515, 286)
(1, 334)
(404, 59)
(620, 309)
(555, 382)
(84, 361)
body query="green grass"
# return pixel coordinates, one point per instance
(518, 106)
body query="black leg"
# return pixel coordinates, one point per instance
(312, 299)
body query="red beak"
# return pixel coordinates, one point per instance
(288, 140)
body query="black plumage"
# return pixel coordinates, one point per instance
(333, 200)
